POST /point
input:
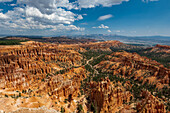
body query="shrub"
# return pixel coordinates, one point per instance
(6, 95)
(79, 108)
(62, 110)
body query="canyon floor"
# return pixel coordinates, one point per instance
(83, 76)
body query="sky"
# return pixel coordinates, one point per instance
(78, 17)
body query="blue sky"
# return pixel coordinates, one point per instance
(70, 17)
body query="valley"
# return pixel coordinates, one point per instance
(83, 75)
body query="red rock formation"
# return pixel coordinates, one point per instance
(150, 104)
(132, 65)
(50, 75)
(34, 69)
(160, 49)
(163, 46)
(108, 97)
(22, 64)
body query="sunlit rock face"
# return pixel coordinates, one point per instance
(40, 71)
(45, 77)
(108, 97)
(20, 65)
(132, 65)
(161, 48)
(150, 104)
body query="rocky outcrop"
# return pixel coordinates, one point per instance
(108, 97)
(41, 77)
(54, 92)
(36, 110)
(132, 65)
(19, 66)
(150, 104)
(163, 46)
(160, 49)
(36, 70)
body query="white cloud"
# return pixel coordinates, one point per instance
(3, 16)
(48, 5)
(105, 17)
(41, 14)
(60, 16)
(54, 15)
(94, 3)
(79, 17)
(50, 11)
(6, 0)
(109, 31)
(85, 14)
(102, 26)
(12, 4)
